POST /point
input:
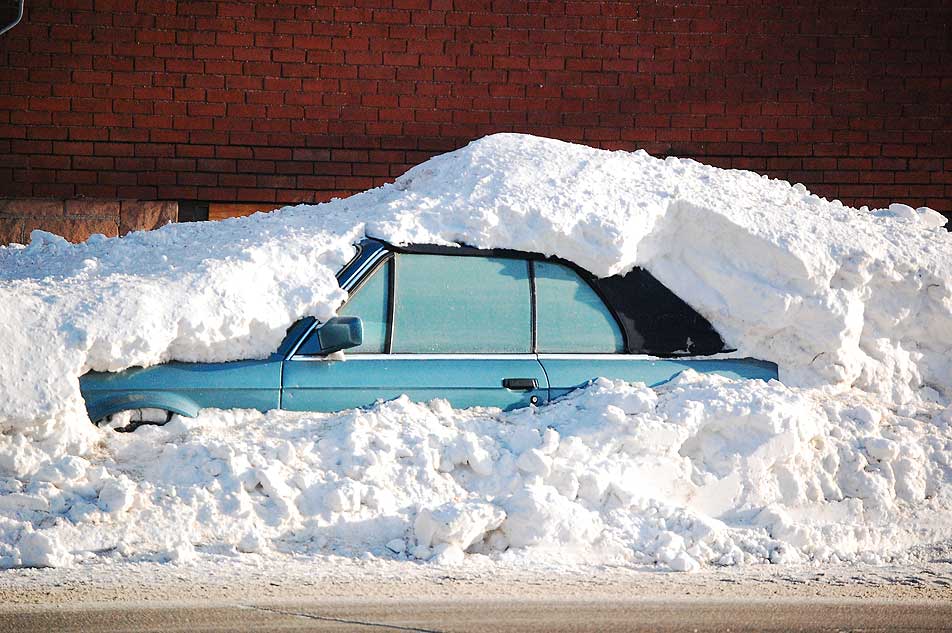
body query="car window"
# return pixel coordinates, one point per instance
(369, 302)
(570, 316)
(657, 321)
(454, 304)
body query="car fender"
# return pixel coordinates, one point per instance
(176, 403)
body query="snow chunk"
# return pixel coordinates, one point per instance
(457, 524)
(116, 495)
(539, 516)
(39, 549)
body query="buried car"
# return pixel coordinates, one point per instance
(476, 327)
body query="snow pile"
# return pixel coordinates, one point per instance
(832, 294)
(702, 471)
(851, 459)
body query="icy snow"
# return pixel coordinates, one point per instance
(849, 459)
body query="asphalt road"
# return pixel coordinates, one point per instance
(487, 616)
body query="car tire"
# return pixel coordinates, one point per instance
(131, 419)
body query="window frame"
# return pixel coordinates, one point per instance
(388, 261)
(367, 252)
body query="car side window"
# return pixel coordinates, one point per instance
(455, 304)
(369, 302)
(570, 316)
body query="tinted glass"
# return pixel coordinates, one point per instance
(451, 304)
(369, 303)
(656, 320)
(570, 317)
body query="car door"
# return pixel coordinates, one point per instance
(578, 338)
(435, 326)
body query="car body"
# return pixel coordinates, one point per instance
(475, 327)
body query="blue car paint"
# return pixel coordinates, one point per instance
(98, 406)
(323, 385)
(279, 382)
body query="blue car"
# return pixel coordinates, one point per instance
(477, 327)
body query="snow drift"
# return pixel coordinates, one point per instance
(702, 471)
(853, 305)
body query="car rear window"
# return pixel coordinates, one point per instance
(449, 304)
(656, 320)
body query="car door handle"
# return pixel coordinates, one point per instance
(520, 384)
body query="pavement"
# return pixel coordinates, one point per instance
(280, 593)
(487, 616)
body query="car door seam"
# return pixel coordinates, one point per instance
(548, 384)
(281, 383)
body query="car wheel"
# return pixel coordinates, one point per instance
(131, 419)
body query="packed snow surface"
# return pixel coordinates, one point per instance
(849, 459)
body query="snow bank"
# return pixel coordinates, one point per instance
(832, 294)
(703, 471)
(850, 459)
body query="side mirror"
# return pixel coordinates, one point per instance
(340, 333)
(334, 335)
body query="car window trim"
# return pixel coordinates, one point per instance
(391, 302)
(533, 309)
(428, 356)
(484, 254)
(377, 250)
(358, 251)
(463, 250)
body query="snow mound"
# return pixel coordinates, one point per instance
(850, 460)
(702, 471)
(832, 294)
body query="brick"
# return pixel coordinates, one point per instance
(138, 215)
(31, 207)
(11, 230)
(91, 208)
(74, 230)
(216, 80)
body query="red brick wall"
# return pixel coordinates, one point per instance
(298, 101)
